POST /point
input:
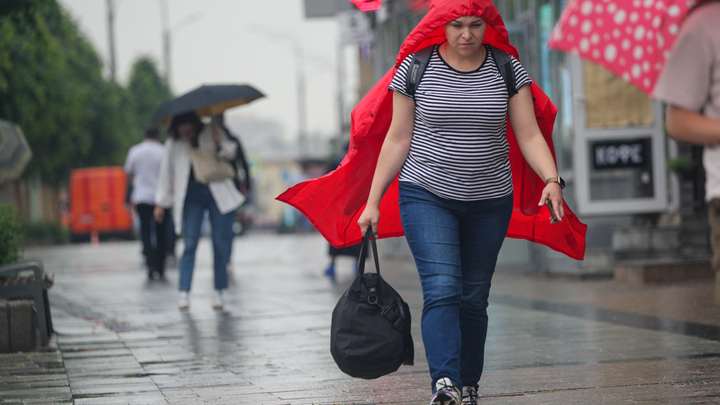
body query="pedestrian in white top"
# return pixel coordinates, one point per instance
(143, 170)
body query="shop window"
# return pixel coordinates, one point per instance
(612, 102)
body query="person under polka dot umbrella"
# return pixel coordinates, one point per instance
(631, 38)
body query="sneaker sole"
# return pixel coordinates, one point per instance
(443, 399)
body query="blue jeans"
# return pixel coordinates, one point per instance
(455, 245)
(197, 201)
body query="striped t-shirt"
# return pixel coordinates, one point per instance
(459, 148)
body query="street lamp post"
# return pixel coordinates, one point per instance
(301, 99)
(166, 36)
(164, 15)
(111, 36)
(300, 79)
(168, 33)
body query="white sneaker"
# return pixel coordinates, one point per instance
(446, 393)
(184, 302)
(217, 300)
(470, 396)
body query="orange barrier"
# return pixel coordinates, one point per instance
(97, 201)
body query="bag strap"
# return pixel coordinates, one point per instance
(408, 360)
(361, 260)
(418, 64)
(395, 311)
(504, 65)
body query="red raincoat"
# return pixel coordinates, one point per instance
(334, 202)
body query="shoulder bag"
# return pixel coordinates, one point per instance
(370, 333)
(208, 166)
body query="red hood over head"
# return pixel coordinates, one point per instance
(431, 30)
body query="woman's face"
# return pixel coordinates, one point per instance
(186, 131)
(465, 34)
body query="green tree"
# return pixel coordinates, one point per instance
(147, 90)
(46, 76)
(109, 121)
(51, 84)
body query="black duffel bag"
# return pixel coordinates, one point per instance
(370, 333)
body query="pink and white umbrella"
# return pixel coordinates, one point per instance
(631, 38)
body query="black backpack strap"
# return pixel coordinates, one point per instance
(504, 65)
(418, 64)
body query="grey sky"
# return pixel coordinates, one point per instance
(224, 46)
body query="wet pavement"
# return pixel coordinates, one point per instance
(121, 339)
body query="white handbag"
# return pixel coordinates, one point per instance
(208, 166)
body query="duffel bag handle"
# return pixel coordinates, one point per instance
(361, 260)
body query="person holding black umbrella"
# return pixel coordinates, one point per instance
(189, 185)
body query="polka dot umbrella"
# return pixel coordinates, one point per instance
(631, 38)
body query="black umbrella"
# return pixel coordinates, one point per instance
(15, 152)
(207, 100)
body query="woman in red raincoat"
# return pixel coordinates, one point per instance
(449, 143)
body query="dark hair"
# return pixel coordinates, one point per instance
(152, 132)
(186, 118)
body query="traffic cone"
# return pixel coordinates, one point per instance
(94, 238)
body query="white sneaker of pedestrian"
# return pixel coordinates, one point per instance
(218, 300)
(184, 302)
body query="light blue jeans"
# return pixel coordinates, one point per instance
(197, 201)
(455, 245)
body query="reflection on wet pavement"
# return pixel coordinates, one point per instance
(123, 340)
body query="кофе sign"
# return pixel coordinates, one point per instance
(632, 153)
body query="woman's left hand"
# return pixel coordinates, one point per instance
(553, 193)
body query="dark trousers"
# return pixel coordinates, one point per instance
(153, 238)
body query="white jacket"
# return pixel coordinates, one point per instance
(175, 174)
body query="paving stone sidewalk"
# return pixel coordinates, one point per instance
(121, 339)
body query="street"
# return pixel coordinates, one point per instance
(122, 339)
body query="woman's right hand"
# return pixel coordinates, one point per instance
(369, 218)
(159, 214)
